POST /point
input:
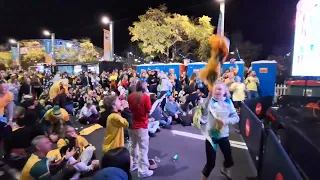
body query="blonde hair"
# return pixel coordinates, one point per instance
(224, 86)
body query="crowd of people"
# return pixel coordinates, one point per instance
(132, 107)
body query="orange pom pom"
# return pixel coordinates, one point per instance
(219, 52)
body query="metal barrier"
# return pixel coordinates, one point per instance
(276, 164)
(252, 131)
(259, 106)
(268, 155)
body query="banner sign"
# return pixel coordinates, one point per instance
(48, 49)
(107, 45)
(15, 56)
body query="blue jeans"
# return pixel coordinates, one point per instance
(164, 121)
(69, 108)
(253, 94)
(153, 126)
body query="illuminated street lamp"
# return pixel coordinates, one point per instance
(46, 33)
(12, 41)
(106, 21)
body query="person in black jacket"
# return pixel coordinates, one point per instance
(153, 82)
(86, 80)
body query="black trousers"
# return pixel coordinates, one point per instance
(163, 102)
(153, 88)
(211, 154)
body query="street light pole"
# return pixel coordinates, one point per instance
(18, 49)
(53, 39)
(111, 27)
(47, 33)
(222, 10)
(106, 20)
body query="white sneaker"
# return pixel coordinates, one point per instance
(226, 172)
(134, 168)
(146, 174)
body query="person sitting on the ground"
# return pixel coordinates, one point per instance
(114, 135)
(55, 118)
(153, 127)
(85, 151)
(173, 109)
(89, 113)
(38, 165)
(159, 115)
(115, 165)
(27, 127)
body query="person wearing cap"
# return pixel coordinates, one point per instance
(55, 119)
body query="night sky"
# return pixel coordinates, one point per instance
(268, 22)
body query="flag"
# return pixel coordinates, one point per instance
(107, 45)
(15, 56)
(219, 28)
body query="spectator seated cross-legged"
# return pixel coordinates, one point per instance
(38, 165)
(88, 113)
(54, 121)
(159, 115)
(153, 127)
(84, 154)
(173, 109)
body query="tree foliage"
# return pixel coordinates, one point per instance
(160, 32)
(69, 54)
(30, 43)
(34, 54)
(3, 48)
(87, 51)
(6, 58)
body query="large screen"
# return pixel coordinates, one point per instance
(306, 54)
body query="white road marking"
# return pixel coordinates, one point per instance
(236, 144)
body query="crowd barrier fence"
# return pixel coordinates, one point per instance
(276, 164)
(259, 106)
(268, 155)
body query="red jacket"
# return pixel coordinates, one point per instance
(140, 110)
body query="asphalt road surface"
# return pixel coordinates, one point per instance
(189, 145)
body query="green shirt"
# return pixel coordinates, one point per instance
(40, 170)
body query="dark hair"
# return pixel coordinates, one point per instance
(119, 158)
(139, 91)
(139, 86)
(2, 82)
(108, 103)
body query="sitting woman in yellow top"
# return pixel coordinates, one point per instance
(84, 151)
(53, 122)
(114, 135)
